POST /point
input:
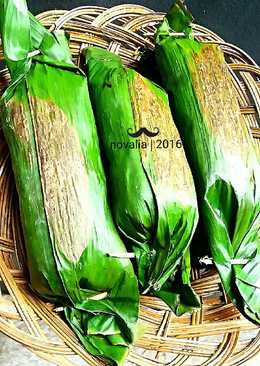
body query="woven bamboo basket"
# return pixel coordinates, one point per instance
(217, 334)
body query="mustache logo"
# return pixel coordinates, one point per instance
(144, 131)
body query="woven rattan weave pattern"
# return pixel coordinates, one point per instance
(217, 334)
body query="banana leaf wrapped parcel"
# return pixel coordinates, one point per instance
(67, 225)
(224, 160)
(152, 193)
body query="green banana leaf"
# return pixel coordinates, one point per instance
(69, 232)
(177, 291)
(223, 158)
(152, 193)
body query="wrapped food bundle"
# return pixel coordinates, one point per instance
(152, 193)
(224, 160)
(67, 225)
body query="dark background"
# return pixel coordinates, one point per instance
(237, 21)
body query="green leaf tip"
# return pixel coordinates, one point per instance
(14, 27)
(178, 19)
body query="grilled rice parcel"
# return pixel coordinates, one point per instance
(69, 233)
(151, 187)
(223, 158)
